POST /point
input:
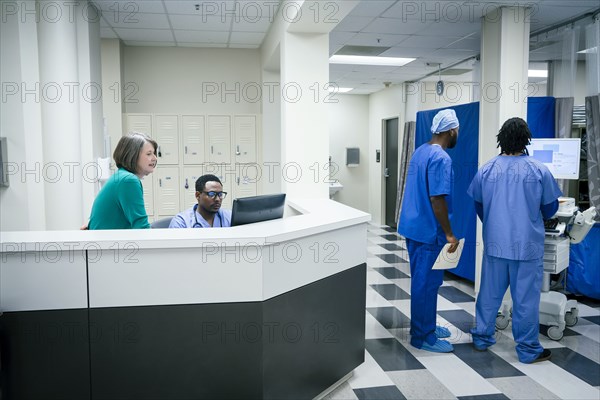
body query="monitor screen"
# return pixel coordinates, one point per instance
(561, 156)
(247, 210)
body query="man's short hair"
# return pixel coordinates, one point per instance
(128, 150)
(201, 182)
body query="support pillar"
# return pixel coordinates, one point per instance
(504, 64)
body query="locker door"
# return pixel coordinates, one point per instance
(219, 139)
(166, 135)
(192, 128)
(166, 188)
(147, 183)
(245, 138)
(188, 186)
(245, 187)
(139, 123)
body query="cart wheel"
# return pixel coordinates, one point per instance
(571, 318)
(555, 333)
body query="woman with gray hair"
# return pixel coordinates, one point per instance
(120, 203)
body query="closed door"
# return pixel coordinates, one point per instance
(390, 171)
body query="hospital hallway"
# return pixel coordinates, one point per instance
(393, 369)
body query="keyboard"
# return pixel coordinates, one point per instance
(551, 223)
(550, 227)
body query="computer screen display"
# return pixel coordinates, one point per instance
(561, 156)
(248, 210)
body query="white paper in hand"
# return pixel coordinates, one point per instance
(447, 260)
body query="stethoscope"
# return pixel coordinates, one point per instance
(198, 225)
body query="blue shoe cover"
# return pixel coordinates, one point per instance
(440, 346)
(442, 332)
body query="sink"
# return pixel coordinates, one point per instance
(334, 187)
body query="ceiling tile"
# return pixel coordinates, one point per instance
(394, 25)
(376, 39)
(428, 42)
(260, 25)
(200, 23)
(353, 24)
(118, 10)
(372, 8)
(142, 20)
(152, 35)
(201, 36)
(202, 45)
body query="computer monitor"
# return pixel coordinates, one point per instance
(248, 210)
(561, 156)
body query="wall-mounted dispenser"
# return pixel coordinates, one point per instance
(352, 156)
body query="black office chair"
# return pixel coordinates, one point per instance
(161, 223)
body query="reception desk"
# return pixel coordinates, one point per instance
(274, 310)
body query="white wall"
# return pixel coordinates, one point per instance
(455, 93)
(20, 123)
(112, 103)
(387, 103)
(349, 127)
(191, 80)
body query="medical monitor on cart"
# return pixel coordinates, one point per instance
(561, 156)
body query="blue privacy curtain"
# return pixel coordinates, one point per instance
(540, 118)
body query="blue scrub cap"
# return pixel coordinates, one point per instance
(444, 121)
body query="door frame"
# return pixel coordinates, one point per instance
(384, 162)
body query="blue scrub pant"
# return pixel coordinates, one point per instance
(525, 279)
(424, 285)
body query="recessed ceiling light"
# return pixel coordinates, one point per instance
(537, 73)
(369, 60)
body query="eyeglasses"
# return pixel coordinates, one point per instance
(213, 195)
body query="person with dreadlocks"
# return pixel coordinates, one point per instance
(513, 194)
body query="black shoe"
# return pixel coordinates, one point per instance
(544, 356)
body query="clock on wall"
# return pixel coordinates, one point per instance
(439, 88)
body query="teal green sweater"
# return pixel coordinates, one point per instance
(120, 204)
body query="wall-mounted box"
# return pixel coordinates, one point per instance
(3, 162)
(352, 156)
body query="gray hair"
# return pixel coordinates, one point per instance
(128, 150)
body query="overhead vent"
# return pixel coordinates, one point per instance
(361, 50)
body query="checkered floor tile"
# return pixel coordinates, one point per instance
(393, 369)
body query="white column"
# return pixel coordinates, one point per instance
(304, 115)
(59, 86)
(504, 62)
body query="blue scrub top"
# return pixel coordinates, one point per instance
(512, 190)
(186, 219)
(429, 174)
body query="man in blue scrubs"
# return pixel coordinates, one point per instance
(207, 213)
(425, 223)
(513, 194)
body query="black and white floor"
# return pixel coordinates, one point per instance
(393, 369)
